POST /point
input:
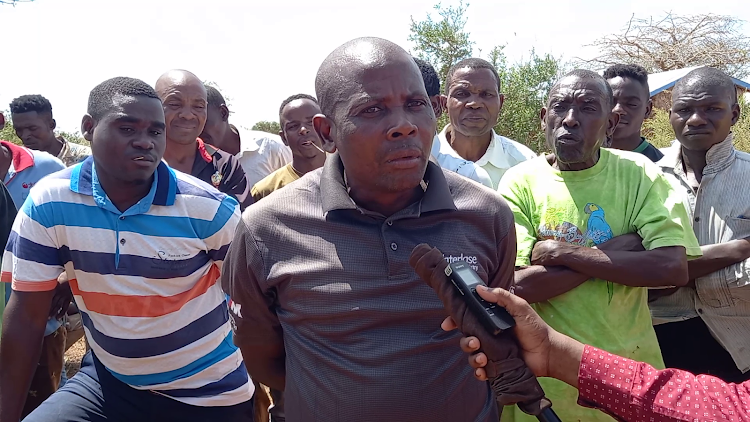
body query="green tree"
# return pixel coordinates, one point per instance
(266, 126)
(442, 42)
(526, 85)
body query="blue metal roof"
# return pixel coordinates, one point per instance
(658, 82)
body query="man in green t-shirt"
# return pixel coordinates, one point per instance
(595, 227)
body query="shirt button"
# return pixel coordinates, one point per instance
(122, 217)
(697, 219)
(122, 241)
(700, 310)
(394, 246)
(390, 223)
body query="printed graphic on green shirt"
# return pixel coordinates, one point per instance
(597, 232)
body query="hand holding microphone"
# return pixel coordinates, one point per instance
(510, 378)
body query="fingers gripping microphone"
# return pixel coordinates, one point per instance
(495, 319)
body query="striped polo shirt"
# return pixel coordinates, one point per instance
(145, 280)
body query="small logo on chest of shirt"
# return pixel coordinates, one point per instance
(27, 185)
(469, 259)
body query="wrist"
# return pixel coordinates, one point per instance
(564, 358)
(563, 253)
(743, 249)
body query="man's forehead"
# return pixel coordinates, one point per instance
(140, 107)
(698, 89)
(578, 87)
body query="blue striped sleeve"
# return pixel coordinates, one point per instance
(34, 245)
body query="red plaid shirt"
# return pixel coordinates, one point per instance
(634, 391)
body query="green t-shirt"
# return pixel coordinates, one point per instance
(623, 193)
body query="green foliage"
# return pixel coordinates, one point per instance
(7, 133)
(73, 137)
(526, 86)
(442, 42)
(658, 130)
(266, 126)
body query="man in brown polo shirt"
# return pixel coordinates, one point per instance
(318, 273)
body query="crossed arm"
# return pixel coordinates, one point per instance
(559, 267)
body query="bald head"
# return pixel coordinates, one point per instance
(184, 99)
(703, 78)
(348, 62)
(177, 77)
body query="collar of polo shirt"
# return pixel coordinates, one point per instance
(163, 190)
(335, 194)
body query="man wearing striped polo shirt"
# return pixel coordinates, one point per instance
(142, 246)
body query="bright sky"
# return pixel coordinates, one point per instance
(260, 52)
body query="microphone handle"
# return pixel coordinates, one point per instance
(548, 415)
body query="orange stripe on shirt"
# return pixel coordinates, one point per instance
(27, 286)
(34, 286)
(144, 306)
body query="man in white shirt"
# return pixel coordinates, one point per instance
(259, 153)
(450, 162)
(474, 103)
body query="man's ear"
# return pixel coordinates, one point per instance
(283, 137)
(2, 121)
(612, 121)
(736, 111)
(543, 118)
(437, 105)
(52, 124)
(649, 108)
(87, 127)
(324, 127)
(224, 110)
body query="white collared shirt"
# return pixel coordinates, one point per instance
(720, 212)
(261, 154)
(458, 165)
(502, 154)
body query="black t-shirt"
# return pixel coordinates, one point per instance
(649, 151)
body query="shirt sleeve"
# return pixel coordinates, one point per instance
(234, 182)
(31, 260)
(251, 306)
(506, 253)
(635, 391)
(663, 220)
(520, 204)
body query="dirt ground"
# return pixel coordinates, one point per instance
(73, 357)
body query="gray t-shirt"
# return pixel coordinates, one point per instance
(360, 330)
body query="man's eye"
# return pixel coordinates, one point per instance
(416, 103)
(127, 130)
(371, 110)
